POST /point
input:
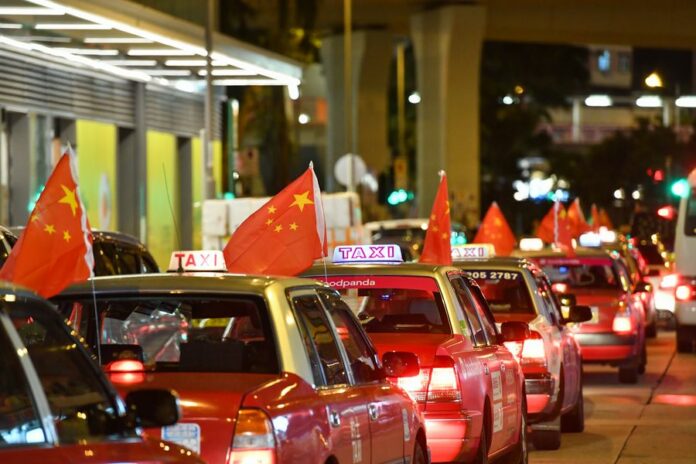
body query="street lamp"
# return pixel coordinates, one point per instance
(654, 80)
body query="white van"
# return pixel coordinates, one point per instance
(685, 268)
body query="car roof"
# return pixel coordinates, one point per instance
(8, 288)
(580, 252)
(413, 269)
(510, 262)
(186, 282)
(103, 235)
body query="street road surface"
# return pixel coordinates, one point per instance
(652, 422)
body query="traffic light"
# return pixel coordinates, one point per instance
(680, 188)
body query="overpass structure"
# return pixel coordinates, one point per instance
(448, 38)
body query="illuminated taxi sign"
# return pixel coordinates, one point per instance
(590, 240)
(606, 235)
(197, 261)
(531, 244)
(367, 254)
(473, 251)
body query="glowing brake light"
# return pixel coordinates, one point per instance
(530, 351)
(436, 385)
(669, 281)
(254, 441)
(560, 287)
(622, 323)
(683, 292)
(124, 365)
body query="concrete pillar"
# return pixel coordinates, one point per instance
(575, 132)
(448, 43)
(372, 52)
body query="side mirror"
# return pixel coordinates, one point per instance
(580, 314)
(400, 364)
(153, 408)
(567, 301)
(514, 331)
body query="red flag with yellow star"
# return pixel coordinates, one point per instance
(55, 249)
(556, 228)
(284, 236)
(494, 229)
(437, 248)
(577, 219)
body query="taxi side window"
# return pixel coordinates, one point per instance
(362, 358)
(477, 333)
(552, 313)
(81, 404)
(327, 365)
(19, 419)
(484, 314)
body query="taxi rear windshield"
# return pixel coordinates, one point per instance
(181, 334)
(394, 304)
(593, 273)
(505, 291)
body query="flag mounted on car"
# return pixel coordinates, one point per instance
(437, 248)
(55, 249)
(284, 236)
(494, 229)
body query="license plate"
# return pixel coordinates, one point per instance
(186, 435)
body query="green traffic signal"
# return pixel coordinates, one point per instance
(680, 188)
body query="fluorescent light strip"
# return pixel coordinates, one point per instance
(598, 101)
(116, 40)
(283, 79)
(191, 63)
(158, 52)
(29, 11)
(235, 82)
(649, 101)
(686, 101)
(169, 72)
(44, 38)
(227, 72)
(10, 26)
(89, 51)
(131, 62)
(71, 27)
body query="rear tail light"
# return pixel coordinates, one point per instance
(253, 442)
(684, 292)
(560, 287)
(126, 371)
(530, 351)
(437, 385)
(669, 281)
(622, 323)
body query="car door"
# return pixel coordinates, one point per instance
(384, 401)
(509, 375)
(486, 353)
(346, 408)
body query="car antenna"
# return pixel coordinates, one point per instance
(171, 211)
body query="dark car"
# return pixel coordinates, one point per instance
(57, 407)
(115, 253)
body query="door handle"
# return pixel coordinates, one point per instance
(372, 411)
(334, 419)
(502, 367)
(486, 371)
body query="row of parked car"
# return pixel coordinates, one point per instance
(389, 362)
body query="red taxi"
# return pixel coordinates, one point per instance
(517, 290)
(268, 369)
(470, 387)
(56, 406)
(616, 333)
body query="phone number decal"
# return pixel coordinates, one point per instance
(493, 275)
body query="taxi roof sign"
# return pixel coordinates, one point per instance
(368, 254)
(531, 244)
(590, 240)
(197, 261)
(473, 251)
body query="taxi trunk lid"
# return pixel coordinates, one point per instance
(604, 305)
(209, 403)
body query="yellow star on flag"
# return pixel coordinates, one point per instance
(444, 235)
(302, 200)
(34, 217)
(66, 236)
(293, 226)
(278, 228)
(435, 229)
(271, 209)
(269, 222)
(448, 208)
(50, 229)
(69, 199)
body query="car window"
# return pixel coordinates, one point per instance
(505, 291)
(361, 356)
(484, 314)
(476, 330)
(127, 261)
(545, 292)
(230, 334)
(623, 274)
(328, 367)
(83, 408)
(103, 259)
(19, 420)
(589, 273)
(148, 264)
(394, 304)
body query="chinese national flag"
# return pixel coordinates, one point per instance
(437, 248)
(495, 229)
(577, 219)
(556, 228)
(55, 249)
(604, 220)
(284, 236)
(596, 221)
